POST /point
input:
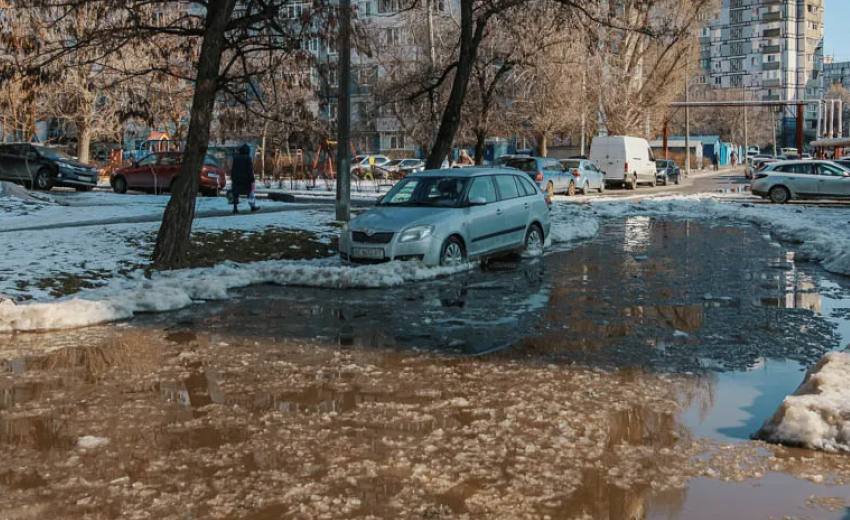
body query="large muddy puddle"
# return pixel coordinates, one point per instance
(619, 379)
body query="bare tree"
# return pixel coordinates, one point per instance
(222, 47)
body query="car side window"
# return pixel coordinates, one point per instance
(148, 161)
(805, 169)
(553, 165)
(831, 171)
(507, 187)
(482, 188)
(169, 159)
(525, 186)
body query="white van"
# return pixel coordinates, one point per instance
(625, 161)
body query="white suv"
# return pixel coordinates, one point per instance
(787, 180)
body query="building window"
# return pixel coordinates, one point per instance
(332, 111)
(396, 141)
(389, 6)
(394, 36)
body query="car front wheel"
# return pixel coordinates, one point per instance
(43, 180)
(452, 254)
(119, 185)
(534, 240)
(779, 195)
(571, 191)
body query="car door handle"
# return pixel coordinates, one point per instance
(527, 205)
(499, 211)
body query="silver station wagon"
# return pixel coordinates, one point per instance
(448, 217)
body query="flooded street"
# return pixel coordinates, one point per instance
(620, 379)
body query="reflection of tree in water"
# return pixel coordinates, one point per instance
(600, 497)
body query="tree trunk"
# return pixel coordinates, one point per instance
(83, 143)
(469, 40)
(174, 233)
(480, 142)
(544, 145)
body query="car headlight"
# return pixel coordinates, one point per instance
(416, 233)
(344, 227)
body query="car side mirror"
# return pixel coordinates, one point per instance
(477, 201)
(379, 199)
(846, 174)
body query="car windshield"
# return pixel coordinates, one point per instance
(662, 163)
(524, 164)
(571, 164)
(427, 191)
(395, 162)
(53, 153)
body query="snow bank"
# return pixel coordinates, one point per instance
(9, 190)
(821, 232)
(571, 222)
(121, 299)
(817, 416)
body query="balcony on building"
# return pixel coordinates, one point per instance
(772, 2)
(772, 33)
(773, 97)
(771, 49)
(771, 16)
(769, 83)
(771, 65)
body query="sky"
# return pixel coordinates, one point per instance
(837, 36)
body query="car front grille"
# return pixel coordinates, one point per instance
(376, 238)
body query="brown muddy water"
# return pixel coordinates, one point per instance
(617, 380)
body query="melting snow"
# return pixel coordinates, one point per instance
(817, 416)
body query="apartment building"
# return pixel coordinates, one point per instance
(836, 72)
(772, 50)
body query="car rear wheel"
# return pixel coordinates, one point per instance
(550, 190)
(571, 191)
(119, 185)
(534, 240)
(43, 181)
(452, 254)
(602, 186)
(779, 195)
(654, 182)
(586, 189)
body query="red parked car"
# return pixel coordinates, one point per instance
(157, 172)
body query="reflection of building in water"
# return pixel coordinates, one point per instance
(637, 234)
(797, 290)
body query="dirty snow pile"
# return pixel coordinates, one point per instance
(821, 232)
(166, 291)
(570, 223)
(817, 416)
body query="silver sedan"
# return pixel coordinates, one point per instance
(448, 217)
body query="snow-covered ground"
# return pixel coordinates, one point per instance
(817, 416)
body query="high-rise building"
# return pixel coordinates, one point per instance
(772, 50)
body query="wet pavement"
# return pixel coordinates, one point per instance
(595, 382)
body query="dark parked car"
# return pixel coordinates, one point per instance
(667, 171)
(156, 173)
(42, 167)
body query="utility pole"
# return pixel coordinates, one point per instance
(773, 114)
(431, 49)
(746, 140)
(687, 128)
(343, 170)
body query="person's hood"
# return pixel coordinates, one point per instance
(244, 150)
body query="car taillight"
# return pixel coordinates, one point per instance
(626, 168)
(539, 177)
(576, 173)
(761, 176)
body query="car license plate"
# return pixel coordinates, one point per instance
(367, 252)
(212, 175)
